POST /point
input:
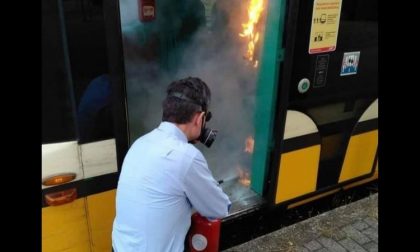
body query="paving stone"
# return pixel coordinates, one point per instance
(313, 245)
(302, 249)
(351, 245)
(330, 244)
(323, 250)
(372, 233)
(371, 221)
(338, 235)
(360, 225)
(356, 235)
(371, 246)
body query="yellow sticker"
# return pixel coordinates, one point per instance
(324, 28)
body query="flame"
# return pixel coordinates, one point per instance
(254, 12)
(243, 172)
(249, 145)
(244, 176)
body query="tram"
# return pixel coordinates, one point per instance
(294, 98)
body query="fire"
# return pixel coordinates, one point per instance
(243, 172)
(254, 12)
(244, 176)
(249, 145)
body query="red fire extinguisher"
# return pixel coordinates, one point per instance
(204, 234)
(147, 10)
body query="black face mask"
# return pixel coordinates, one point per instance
(207, 135)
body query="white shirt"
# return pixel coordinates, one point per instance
(162, 178)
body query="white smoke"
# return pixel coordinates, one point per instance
(214, 54)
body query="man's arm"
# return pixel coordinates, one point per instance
(203, 191)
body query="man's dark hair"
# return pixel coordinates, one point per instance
(184, 98)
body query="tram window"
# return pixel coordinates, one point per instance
(330, 113)
(58, 119)
(89, 65)
(85, 99)
(335, 122)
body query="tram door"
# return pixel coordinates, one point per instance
(331, 99)
(79, 166)
(208, 39)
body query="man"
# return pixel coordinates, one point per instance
(164, 177)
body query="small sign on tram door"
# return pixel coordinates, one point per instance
(350, 63)
(147, 10)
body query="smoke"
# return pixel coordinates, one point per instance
(128, 12)
(232, 83)
(213, 53)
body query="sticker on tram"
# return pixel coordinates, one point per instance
(350, 63)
